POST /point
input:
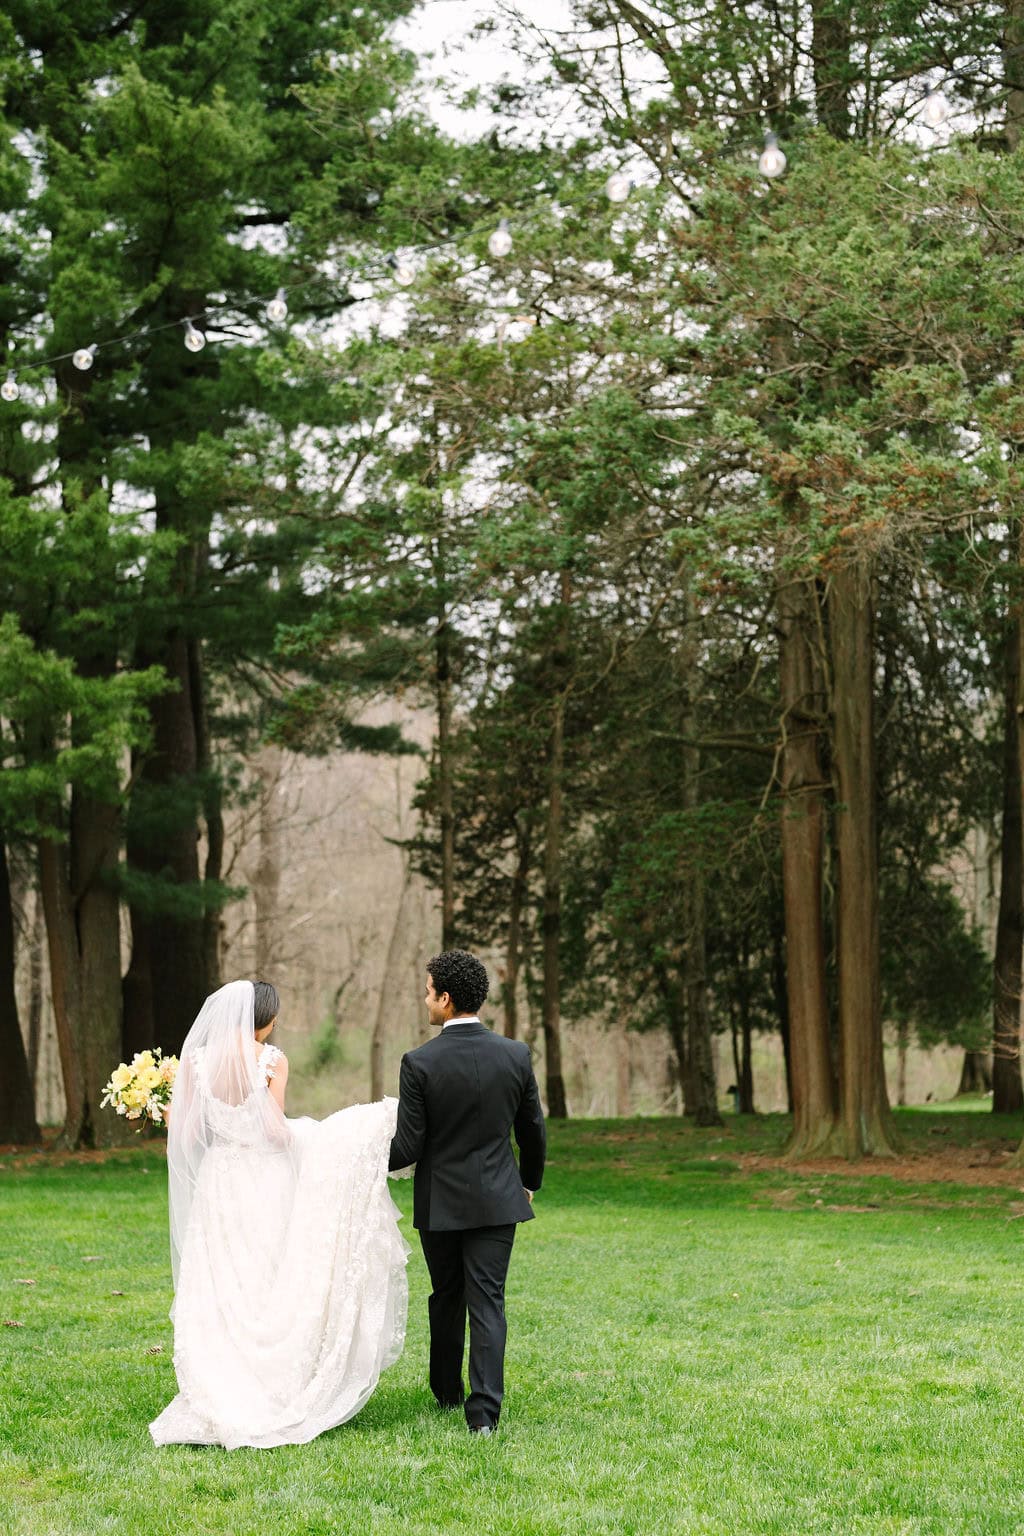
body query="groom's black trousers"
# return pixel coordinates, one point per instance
(467, 1273)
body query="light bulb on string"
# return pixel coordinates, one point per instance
(9, 388)
(84, 358)
(277, 309)
(405, 272)
(618, 187)
(194, 340)
(936, 107)
(500, 243)
(772, 162)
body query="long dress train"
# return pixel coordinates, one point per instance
(291, 1286)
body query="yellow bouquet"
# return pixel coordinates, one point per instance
(142, 1088)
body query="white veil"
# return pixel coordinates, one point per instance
(220, 1101)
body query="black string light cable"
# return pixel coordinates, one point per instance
(402, 269)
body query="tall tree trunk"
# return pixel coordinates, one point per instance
(1007, 1088)
(698, 1019)
(17, 1098)
(865, 1117)
(266, 884)
(213, 810)
(830, 48)
(167, 979)
(95, 838)
(901, 1065)
(85, 980)
(976, 1073)
(445, 775)
(1007, 1095)
(551, 925)
(745, 1070)
(700, 1088)
(1013, 71)
(65, 987)
(513, 938)
(385, 1001)
(623, 1073)
(534, 1015)
(803, 826)
(37, 962)
(781, 995)
(674, 1004)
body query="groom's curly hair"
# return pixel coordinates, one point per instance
(462, 976)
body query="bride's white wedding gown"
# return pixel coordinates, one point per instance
(291, 1286)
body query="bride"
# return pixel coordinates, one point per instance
(289, 1270)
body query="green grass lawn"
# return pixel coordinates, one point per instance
(691, 1349)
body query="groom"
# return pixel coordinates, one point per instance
(459, 1097)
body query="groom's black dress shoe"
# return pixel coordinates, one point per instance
(482, 1429)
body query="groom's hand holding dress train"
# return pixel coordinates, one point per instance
(460, 1097)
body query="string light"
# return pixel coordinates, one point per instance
(936, 107)
(618, 187)
(772, 162)
(500, 243)
(405, 272)
(277, 309)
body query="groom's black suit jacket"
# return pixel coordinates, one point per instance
(460, 1096)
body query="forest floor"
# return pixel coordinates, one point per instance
(703, 1338)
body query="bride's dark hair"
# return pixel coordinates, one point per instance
(266, 1004)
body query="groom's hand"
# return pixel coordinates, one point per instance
(528, 1193)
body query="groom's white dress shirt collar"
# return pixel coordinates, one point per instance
(468, 1019)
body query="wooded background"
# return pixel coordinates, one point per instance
(663, 569)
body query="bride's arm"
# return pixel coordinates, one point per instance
(279, 1080)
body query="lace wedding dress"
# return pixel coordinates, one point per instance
(290, 1287)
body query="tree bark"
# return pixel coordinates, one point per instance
(385, 999)
(445, 776)
(517, 903)
(167, 979)
(1007, 1088)
(623, 1073)
(976, 1073)
(702, 1090)
(65, 986)
(266, 884)
(901, 1068)
(85, 980)
(1013, 71)
(674, 1003)
(803, 823)
(865, 1116)
(745, 1069)
(830, 47)
(782, 1005)
(37, 963)
(551, 924)
(213, 810)
(17, 1098)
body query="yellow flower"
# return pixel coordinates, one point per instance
(120, 1078)
(142, 1059)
